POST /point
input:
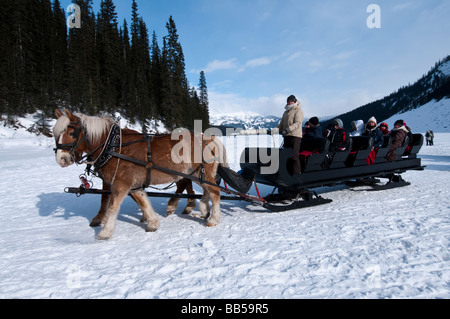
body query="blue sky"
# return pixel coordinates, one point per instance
(255, 53)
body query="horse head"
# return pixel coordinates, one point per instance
(70, 138)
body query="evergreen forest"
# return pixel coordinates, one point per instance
(98, 67)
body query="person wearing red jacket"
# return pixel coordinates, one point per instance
(384, 128)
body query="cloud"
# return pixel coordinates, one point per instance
(229, 103)
(231, 64)
(293, 56)
(218, 65)
(344, 55)
(258, 62)
(401, 7)
(316, 65)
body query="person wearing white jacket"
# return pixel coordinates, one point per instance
(357, 128)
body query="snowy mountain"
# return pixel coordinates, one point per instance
(431, 90)
(244, 120)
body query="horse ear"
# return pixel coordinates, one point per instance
(70, 115)
(58, 113)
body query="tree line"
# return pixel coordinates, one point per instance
(101, 67)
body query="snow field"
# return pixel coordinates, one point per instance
(386, 244)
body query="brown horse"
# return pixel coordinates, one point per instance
(128, 161)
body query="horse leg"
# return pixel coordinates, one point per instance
(203, 206)
(101, 215)
(118, 194)
(173, 202)
(141, 198)
(184, 184)
(213, 193)
(136, 200)
(191, 201)
(216, 215)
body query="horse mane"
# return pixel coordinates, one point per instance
(96, 127)
(60, 126)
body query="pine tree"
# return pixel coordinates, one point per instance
(204, 103)
(142, 106)
(8, 22)
(109, 60)
(155, 74)
(59, 54)
(127, 91)
(83, 79)
(175, 86)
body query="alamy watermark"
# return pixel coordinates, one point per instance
(206, 148)
(374, 19)
(74, 19)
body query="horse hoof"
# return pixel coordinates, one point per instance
(152, 228)
(209, 224)
(100, 237)
(169, 212)
(95, 223)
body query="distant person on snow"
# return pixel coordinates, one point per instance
(429, 137)
(398, 134)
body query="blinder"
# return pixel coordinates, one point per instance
(71, 147)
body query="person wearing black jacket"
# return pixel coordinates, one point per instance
(374, 132)
(314, 130)
(338, 136)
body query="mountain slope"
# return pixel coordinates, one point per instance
(435, 85)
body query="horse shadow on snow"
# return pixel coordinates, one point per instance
(67, 206)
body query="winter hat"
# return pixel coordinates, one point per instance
(291, 98)
(338, 122)
(371, 127)
(385, 125)
(314, 121)
(373, 119)
(399, 123)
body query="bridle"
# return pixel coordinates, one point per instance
(72, 147)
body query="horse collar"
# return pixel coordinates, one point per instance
(111, 143)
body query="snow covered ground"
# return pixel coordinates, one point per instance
(386, 244)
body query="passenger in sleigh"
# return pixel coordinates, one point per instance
(357, 128)
(338, 136)
(374, 132)
(384, 128)
(312, 138)
(313, 129)
(398, 135)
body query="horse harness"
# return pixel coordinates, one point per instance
(72, 147)
(109, 150)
